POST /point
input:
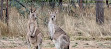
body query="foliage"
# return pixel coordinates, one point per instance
(18, 6)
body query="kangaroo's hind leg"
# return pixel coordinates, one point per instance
(39, 40)
(36, 47)
(29, 45)
(57, 44)
(39, 46)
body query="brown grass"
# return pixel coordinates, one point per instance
(81, 23)
(17, 24)
(3, 29)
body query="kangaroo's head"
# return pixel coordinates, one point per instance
(32, 15)
(52, 16)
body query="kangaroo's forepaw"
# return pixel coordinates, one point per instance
(50, 38)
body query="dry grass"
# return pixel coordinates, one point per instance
(3, 29)
(17, 24)
(78, 23)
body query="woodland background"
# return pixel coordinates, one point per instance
(87, 22)
(81, 19)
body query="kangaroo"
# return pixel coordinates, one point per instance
(34, 36)
(57, 35)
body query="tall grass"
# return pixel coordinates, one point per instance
(75, 23)
(3, 28)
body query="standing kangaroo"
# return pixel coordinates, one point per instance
(34, 36)
(57, 35)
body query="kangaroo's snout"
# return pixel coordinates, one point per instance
(52, 18)
(32, 36)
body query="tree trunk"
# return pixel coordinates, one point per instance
(73, 3)
(52, 3)
(99, 12)
(107, 3)
(7, 14)
(80, 3)
(1, 11)
(60, 5)
(60, 2)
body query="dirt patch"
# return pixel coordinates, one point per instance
(20, 43)
(55, 48)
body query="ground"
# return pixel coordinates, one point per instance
(20, 43)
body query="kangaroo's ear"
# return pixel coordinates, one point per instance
(34, 10)
(30, 15)
(30, 10)
(49, 12)
(56, 11)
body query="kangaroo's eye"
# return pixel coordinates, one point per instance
(54, 16)
(33, 15)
